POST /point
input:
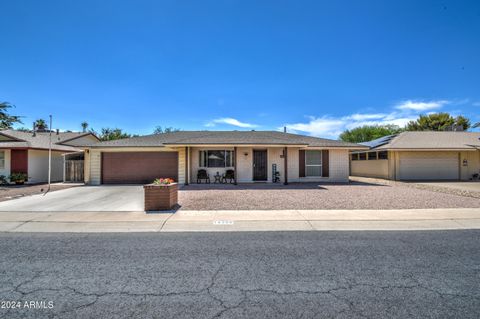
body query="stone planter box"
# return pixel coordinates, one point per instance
(160, 197)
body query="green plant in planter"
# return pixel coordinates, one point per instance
(18, 178)
(3, 180)
(163, 181)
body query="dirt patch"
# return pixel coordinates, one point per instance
(354, 195)
(15, 191)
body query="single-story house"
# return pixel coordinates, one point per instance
(420, 155)
(254, 156)
(27, 152)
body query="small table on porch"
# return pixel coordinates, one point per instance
(218, 178)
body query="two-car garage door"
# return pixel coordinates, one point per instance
(429, 166)
(138, 167)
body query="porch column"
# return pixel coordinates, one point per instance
(285, 166)
(235, 165)
(187, 155)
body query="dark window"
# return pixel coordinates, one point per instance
(355, 157)
(216, 158)
(362, 156)
(383, 155)
(372, 155)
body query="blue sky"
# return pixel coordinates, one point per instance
(316, 66)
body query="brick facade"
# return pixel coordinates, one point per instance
(160, 197)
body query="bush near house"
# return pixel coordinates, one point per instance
(18, 178)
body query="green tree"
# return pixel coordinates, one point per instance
(476, 125)
(160, 130)
(84, 125)
(7, 120)
(41, 125)
(110, 134)
(369, 132)
(437, 122)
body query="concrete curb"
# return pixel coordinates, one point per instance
(268, 220)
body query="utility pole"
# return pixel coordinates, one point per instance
(49, 156)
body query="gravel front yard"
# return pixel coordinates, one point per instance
(355, 195)
(14, 191)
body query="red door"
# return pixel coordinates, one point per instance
(19, 161)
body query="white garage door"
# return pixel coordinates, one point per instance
(429, 166)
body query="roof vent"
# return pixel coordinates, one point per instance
(34, 127)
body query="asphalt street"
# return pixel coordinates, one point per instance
(429, 274)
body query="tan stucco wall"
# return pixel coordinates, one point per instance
(370, 168)
(392, 170)
(38, 166)
(473, 164)
(86, 167)
(6, 169)
(338, 163)
(195, 161)
(245, 164)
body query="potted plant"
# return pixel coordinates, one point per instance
(18, 178)
(162, 194)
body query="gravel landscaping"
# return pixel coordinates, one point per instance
(15, 191)
(355, 195)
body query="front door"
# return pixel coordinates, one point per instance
(260, 165)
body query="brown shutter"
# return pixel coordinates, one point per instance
(301, 163)
(325, 163)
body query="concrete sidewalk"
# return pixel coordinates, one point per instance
(281, 220)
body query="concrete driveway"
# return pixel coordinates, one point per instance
(81, 199)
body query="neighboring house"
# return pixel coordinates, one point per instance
(26, 152)
(420, 156)
(253, 155)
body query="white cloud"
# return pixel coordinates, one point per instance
(476, 104)
(230, 121)
(362, 117)
(420, 106)
(332, 127)
(324, 126)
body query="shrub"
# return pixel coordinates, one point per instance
(18, 178)
(3, 180)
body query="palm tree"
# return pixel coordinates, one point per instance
(84, 126)
(476, 125)
(41, 124)
(7, 120)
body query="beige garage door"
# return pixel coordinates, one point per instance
(429, 166)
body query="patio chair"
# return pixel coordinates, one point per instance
(202, 174)
(229, 175)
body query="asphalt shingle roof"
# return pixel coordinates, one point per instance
(428, 140)
(41, 140)
(224, 138)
